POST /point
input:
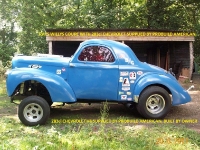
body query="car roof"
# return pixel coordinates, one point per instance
(110, 43)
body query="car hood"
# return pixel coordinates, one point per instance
(26, 61)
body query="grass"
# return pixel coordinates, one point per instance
(90, 136)
(2, 86)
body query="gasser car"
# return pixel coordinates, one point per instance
(100, 70)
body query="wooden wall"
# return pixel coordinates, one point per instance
(180, 55)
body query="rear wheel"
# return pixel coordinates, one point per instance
(154, 103)
(33, 110)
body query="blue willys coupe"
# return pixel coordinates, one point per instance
(100, 70)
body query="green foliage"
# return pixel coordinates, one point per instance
(167, 15)
(2, 85)
(5, 52)
(21, 21)
(8, 37)
(104, 110)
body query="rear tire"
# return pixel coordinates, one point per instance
(33, 110)
(154, 103)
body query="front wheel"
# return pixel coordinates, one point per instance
(154, 103)
(33, 110)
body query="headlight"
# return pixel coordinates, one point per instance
(7, 72)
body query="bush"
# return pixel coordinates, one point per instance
(4, 69)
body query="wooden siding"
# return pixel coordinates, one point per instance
(180, 54)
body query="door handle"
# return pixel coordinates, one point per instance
(71, 65)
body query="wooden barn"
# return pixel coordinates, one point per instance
(166, 49)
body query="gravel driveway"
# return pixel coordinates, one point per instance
(189, 113)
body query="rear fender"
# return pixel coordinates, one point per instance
(179, 95)
(58, 88)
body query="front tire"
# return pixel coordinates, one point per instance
(33, 110)
(154, 103)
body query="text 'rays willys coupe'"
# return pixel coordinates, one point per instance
(100, 70)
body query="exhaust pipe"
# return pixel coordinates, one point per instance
(130, 106)
(191, 87)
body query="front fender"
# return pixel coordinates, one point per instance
(59, 89)
(179, 94)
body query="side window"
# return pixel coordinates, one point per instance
(96, 53)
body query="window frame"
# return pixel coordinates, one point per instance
(94, 45)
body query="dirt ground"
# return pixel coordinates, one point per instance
(187, 114)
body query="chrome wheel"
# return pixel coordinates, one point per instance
(155, 104)
(33, 112)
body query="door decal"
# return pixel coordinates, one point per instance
(124, 73)
(126, 82)
(126, 88)
(123, 97)
(132, 75)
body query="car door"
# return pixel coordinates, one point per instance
(94, 74)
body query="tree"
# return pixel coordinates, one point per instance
(168, 14)
(34, 16)
(8, 35)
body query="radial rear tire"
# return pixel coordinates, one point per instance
(154, 103)
(33, 110)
